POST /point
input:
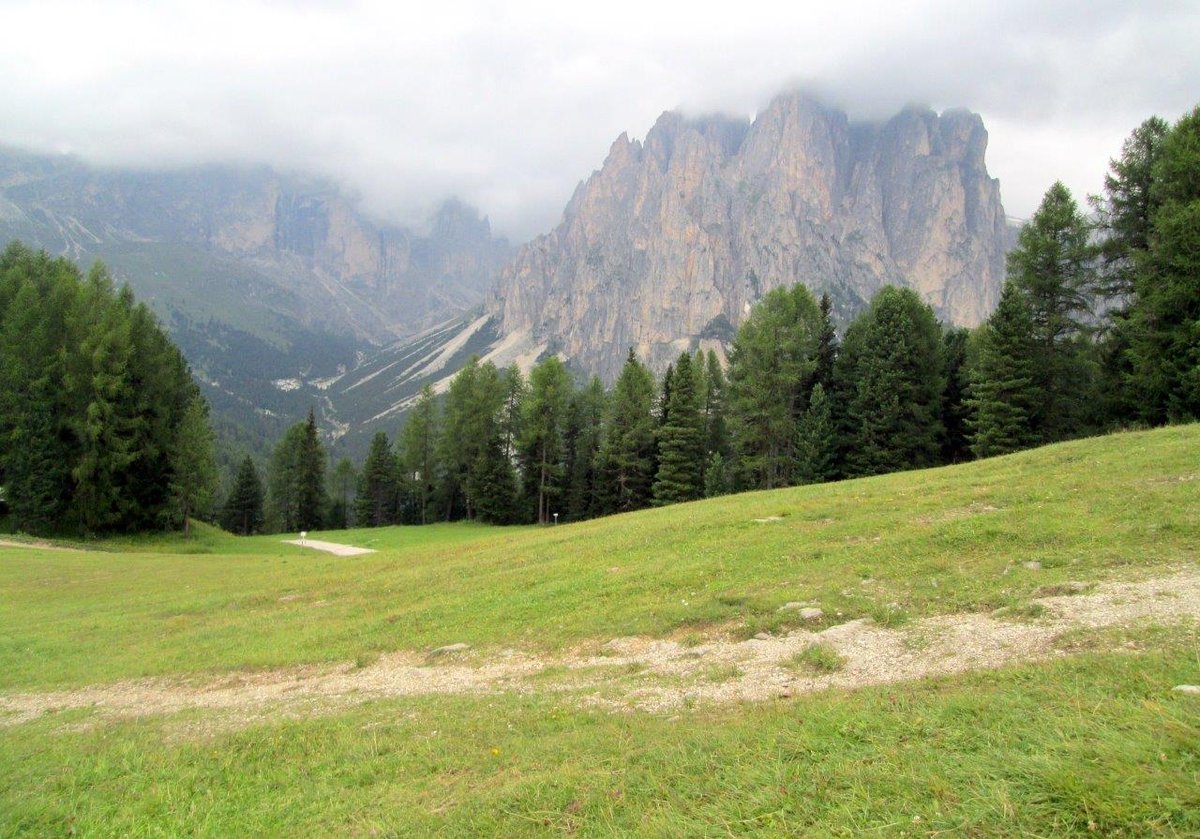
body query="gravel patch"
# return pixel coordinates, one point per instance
(648, 674)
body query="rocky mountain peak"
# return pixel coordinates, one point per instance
(694, 225)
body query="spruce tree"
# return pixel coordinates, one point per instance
(377, 496)
(493, 484)
(193, 467)
(343, 485)
(243, 512)
(1164, 348)
(418, 463)
(310, 477)
(541, 442)
(816, 443)
(716, 393)
(771, 368)
(1053, 267)
(681, 439)
(284, 481)
(588, 407)
(1003, 392)
(627, 453)
(955, 408)
(894, 400)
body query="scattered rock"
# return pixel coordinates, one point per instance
(762, 636)
(1193, 690)
(811, 613)
(792, 605)
(450, 648)
(769, 518)
(1033, 565)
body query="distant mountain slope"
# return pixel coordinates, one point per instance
(675, 238)
(258, 275)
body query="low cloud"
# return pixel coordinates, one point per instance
(510, 108)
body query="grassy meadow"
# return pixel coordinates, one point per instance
(1094, 743)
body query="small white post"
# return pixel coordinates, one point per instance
(303, 536)
(556, 518)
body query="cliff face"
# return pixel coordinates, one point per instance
(673, 239)
(343, 272)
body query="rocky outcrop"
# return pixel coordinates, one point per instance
(344, 272)
(674, 239)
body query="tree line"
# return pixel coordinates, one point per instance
(1095, 329)
(102, 428)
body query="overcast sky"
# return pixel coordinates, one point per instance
(509, 105)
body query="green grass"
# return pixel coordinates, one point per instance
(1092, 745)
(930, 542)
(817, 658)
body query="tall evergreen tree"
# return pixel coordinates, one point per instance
(715, 395)
(492, 483)
(896, 385)
(342, 488)
(310, 477)
(627, 453)
(542, 439)
(378, 492)
(681, 439)
(515, 391)
(418, 463)
(955, 408)
(193, 466)
(1003, 392)
(816, 444)
(586, 431)
(773, 361)
(1053, 267)
(283, 490)
(1164, 350)
(243, 511)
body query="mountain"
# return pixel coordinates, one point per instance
(262, 278)
(672, 241)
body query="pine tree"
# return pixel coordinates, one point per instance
(816, 444)
(375, 505)
(827, 345)
(715, 429)
(1003, 392)
(193, 467)
(344, 484)
(1164, 349)
(681, 439)
(773, 361)
(418, 463)
(716, 476)
(283, 481)
(1053, 267)
(243, 512)
(542, 438)
(626, 462)
(493, 484)
(586, 431)
(895, 388)
(955, 409)
(310, 477)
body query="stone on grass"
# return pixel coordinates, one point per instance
(450, 648)
(1194, 690)
(791, 605)
(811, 613)
(1033, 565)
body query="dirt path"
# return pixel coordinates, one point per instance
(37, 546)
(655, 675)
(329, 547)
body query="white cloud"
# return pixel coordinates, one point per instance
(510, 105)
